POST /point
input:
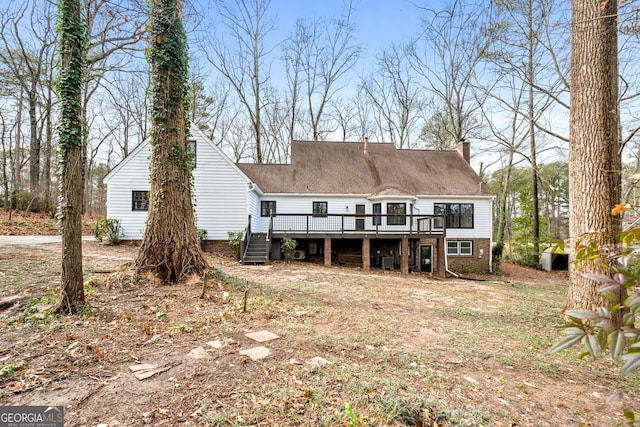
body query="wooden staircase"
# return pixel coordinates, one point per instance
(257, 250)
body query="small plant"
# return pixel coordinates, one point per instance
(288, 245)
(235, 240)
(202, 235)
(352, 419)
(8, 371)
(183, 327)
(108, 230)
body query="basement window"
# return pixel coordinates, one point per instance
(460, 247)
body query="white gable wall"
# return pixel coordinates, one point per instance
(221, 191)
(132, 174)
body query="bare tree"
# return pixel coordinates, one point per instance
(126, 109)
(594, 156)
(242, 58)
(449, 55)
(522, 54)
(394, 93)
(320, 53)
(115, 32)
(27, 56)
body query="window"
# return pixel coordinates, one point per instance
(377, 212)
(458, 215)
(396, 214)
(193, 150)
(460, 247)
(320, 208)
(268, 208)
(139, 200)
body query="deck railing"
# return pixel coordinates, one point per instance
(246, 238)
(357, 224)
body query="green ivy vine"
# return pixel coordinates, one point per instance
(73, 47)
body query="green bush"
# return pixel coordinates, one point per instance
(288, 245)
(108, 230)
(202, 235)
(235, 240)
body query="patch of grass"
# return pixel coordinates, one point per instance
(426, 410)
(218, 273)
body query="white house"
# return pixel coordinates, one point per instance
(222, 199)
(362, 203)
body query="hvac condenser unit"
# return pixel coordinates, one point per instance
(387, 263)
(297, 254)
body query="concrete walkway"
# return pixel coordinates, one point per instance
(34, 240)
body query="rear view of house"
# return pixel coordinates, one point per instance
(346, 203)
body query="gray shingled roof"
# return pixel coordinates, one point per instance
(343, 168)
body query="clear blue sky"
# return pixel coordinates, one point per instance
(378, 22)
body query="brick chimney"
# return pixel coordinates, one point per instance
(366, 145)
(463, 149)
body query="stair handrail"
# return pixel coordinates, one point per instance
(269, 234)
(246, 239)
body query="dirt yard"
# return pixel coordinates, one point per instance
(353, 349)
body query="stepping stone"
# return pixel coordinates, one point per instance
(218, 344)
(256, 353)
(146, 370)
(198, 353)
(318, 361)
(262, 336)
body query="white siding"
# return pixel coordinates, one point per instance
(343, 204)
(482, 220)
(220, 192)
(303, 204)
(131, 175)
(254, 210)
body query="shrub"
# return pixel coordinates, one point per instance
(235, 240)
(202, 235)
(288, 245)
(108, 230)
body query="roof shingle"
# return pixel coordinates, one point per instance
(321, 167)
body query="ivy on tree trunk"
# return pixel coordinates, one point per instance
(170, 249)
(73, 53)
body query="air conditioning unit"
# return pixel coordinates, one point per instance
(297, 254)
(387, 263)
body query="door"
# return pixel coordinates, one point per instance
(359, 221)
(426, 259)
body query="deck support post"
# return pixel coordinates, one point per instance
(366, 254)
(404, 257)
(327, 251)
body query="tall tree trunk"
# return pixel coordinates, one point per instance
(5, 151)
(532, 138)
(502, 204)
(17, 179)
(594, 161)
(170, 250)
(73, 48)
(34, 151)
(48, 204)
